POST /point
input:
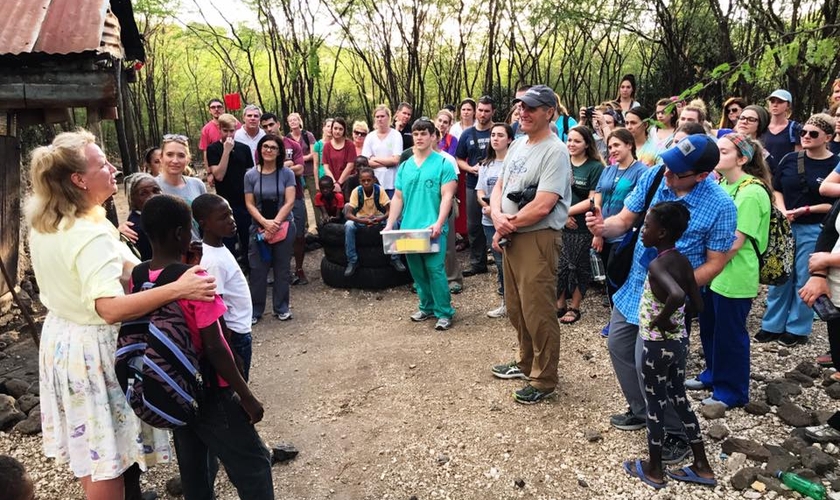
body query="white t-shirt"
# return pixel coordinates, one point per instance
(231, 285)
(243, 137)
(391, 145)
(450, 159)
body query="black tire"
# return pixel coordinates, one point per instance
(332, 234)
(365, 278)
(368, 256)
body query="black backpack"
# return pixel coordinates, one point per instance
(156, 362)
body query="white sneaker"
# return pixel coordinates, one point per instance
(499, 312)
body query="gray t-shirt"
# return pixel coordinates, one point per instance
(546, 165)
(488, 175)
(192, 189)
(269, 190)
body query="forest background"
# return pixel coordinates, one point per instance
(326, 58)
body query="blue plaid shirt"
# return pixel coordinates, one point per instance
(711, 227)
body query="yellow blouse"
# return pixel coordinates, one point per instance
(77, 265)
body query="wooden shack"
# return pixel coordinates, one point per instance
(56, 55)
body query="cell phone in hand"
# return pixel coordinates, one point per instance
(826, 309)
(592, 205)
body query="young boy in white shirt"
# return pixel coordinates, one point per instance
(215, 218)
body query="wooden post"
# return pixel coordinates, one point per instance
(129, 166)
(94, 125)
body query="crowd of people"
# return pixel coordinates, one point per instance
(685, 207)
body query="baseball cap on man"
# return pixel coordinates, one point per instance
(538, 95)
(697, 153)
(781, 94)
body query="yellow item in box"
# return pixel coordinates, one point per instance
(413, 245)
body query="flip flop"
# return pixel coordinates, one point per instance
(639, 473)
(691, 477)
(575, 315)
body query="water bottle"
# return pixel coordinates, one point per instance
(802, 485)
(598, 273)
(263, 247)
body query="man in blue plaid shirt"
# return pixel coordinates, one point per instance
(710, 234)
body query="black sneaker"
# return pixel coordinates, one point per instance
(508, 371)
(474, 271)
(764, 336)
(530, 395)
(791, 340)
(627, 421)
(674, 450)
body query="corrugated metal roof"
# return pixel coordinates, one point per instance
(52, 26)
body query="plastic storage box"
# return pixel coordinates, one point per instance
(403, 241)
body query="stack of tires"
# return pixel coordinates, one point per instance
(374, 270)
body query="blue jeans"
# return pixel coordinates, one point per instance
(241, 344)
(489, 231)
(350, 229)
(786, 312)
(726, 347)
(222, 430)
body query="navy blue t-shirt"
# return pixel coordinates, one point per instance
(834, 147)
(799, 191)
(778, 145)
(472, 146)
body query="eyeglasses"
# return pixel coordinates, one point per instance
(813, 134)
(217, 106)
(269, 147)
(733, 110)
(749, 119)
(360, 133)
(176, 138)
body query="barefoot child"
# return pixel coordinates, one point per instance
(328, 203)
(224, 427)
(662, 328)
(215, 218)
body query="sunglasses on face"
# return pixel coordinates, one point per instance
(176, 138)
(361, 133)
(217, 106)
(813, 134)
(733, 110)
(748, 119)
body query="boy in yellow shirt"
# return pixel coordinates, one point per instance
(368, 206)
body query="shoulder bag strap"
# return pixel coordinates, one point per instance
(651, 192)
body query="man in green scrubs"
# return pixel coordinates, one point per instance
(425, 187)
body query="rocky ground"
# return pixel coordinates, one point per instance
(380, 407)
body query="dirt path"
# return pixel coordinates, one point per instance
(381, 407)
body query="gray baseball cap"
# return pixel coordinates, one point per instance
(538, 95)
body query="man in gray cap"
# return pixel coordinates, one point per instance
(529, 206)
(710, 235)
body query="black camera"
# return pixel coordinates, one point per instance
(522, 198)
(589, 112)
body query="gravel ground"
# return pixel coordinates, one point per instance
(381, 407)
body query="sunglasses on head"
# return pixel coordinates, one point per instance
(813, 134)
(176, 138)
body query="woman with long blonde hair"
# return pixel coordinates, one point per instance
(82, 269)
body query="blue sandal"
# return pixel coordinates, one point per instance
(640, 474)
(691, 477)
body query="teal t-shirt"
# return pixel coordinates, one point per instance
(585, 178)
(421, 188)
(319, 148)
(739, 278)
